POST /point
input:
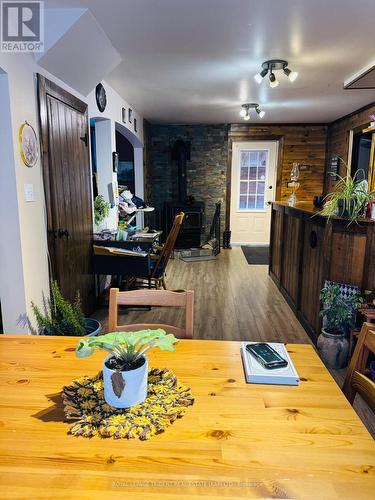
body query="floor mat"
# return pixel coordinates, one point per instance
(257, 255)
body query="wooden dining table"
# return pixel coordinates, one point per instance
(238, 440)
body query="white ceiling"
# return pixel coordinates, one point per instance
(193, 61)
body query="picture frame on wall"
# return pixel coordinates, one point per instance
(130, 115)
(135, 124)
(123, 115)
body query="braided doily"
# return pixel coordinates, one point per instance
(166, 401)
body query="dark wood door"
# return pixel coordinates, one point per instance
(66, 172)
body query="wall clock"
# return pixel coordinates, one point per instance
(28, 144)
(101, 97)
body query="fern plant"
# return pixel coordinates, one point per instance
(59, 317)
(339, 310)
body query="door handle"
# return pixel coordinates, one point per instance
(62, 232)
(270, 187)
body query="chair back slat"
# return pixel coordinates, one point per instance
(168, 246)
(355, 381)
(153, 298)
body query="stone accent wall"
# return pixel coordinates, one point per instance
(206, 170)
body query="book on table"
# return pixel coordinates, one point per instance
(255, 373)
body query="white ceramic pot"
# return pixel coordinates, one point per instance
(135, 388)
(333, 349)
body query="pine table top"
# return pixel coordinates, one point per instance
(236, 441)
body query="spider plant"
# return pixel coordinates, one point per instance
(349, 198)
(127, 348)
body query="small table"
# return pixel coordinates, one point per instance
(236, 441)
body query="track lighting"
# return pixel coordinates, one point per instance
(259, 76)
(274, 82)
(275, 65)
(245, 111)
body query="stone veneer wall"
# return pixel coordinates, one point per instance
(206, 170)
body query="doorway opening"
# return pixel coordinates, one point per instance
(125, 172)
(253, 188)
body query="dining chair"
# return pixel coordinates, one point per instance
(355, 381)
(153, 298)
(157, 275)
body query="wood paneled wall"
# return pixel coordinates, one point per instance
(338, 139)
(304, 144)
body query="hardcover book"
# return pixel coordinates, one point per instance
(255, 373)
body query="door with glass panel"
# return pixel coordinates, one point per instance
(253, 187)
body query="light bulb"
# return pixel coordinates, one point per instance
(293, 76)
(243, 112)
(274, 83)
(258, 78)
(246, 117)
(261, 114)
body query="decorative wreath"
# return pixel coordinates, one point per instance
(166, 401)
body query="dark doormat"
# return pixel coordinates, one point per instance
(257, 255)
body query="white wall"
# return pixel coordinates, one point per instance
(111, 119)
(27, 263)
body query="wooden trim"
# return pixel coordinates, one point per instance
(352, 113)
(228, 198)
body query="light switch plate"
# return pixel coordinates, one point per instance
(29, 192)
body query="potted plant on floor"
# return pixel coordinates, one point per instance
(125, 369)
(339, 317)
(60, 317)
(349, 198)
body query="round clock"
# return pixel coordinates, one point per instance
(101, 97)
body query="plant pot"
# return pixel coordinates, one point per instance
(333, 349)
(345, 210)
(92, 327)
(135, 388)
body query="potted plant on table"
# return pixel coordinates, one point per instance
(349, 198)
(339, 317)
(60, 317)
(125, 369)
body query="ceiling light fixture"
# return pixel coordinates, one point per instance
(245, 111)
(275, 65)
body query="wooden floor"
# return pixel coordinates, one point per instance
(233, 301)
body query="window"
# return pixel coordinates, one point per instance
(253, 174)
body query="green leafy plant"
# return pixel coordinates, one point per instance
(101, 209)
(349, 198)
(339, 310)
(59, 317)
(127, 348)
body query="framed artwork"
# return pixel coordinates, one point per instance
(28, 144)
(135, 124)
(123, 115)
(130, 115)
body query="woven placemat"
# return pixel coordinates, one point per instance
(166, 400)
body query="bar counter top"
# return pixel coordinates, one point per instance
(309, 208)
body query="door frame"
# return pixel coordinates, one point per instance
(47, 88)
(246, 136)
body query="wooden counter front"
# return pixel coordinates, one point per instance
(306, 249)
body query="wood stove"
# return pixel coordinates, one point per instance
(193, 224)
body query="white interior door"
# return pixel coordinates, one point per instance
(253, 187)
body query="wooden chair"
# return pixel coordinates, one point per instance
(157, 276)
(355, 381)
(157, 298)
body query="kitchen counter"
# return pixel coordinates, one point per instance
(307, 248)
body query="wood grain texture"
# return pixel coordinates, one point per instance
(158, 298)
(338, 139)
(237, 441)
(304, 144)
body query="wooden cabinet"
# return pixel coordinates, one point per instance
(307, 249)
